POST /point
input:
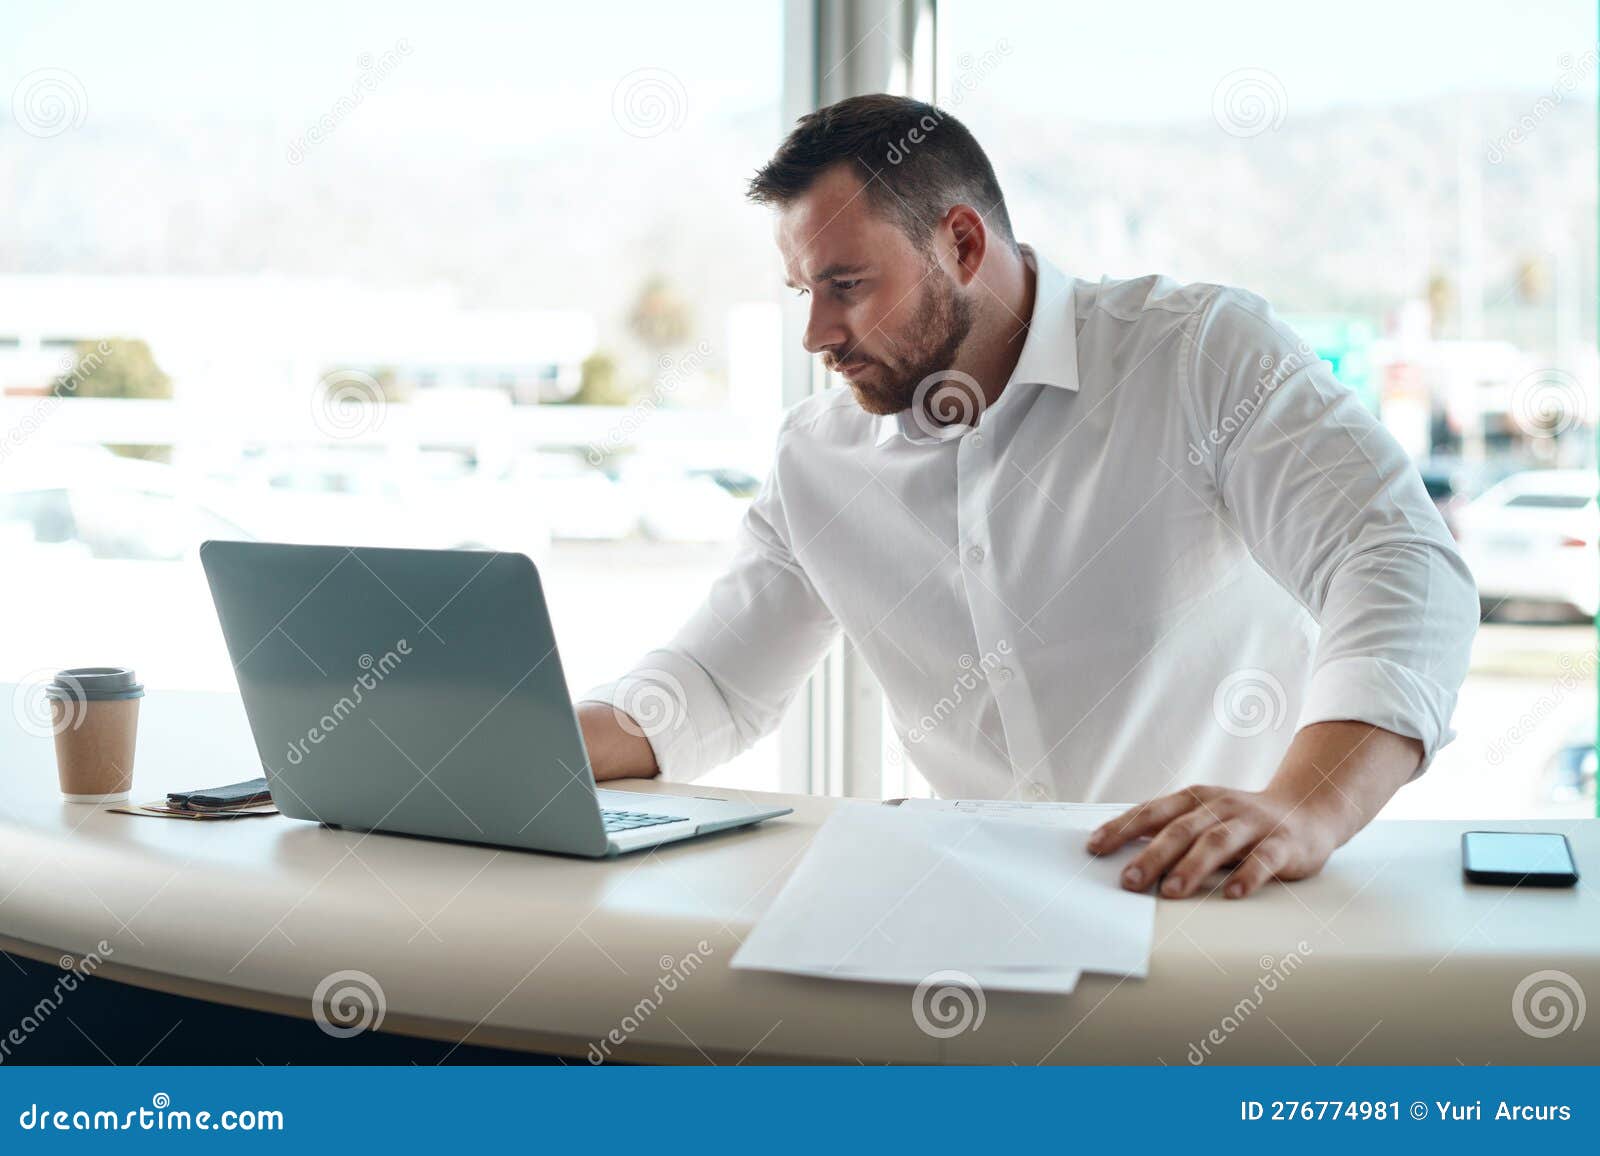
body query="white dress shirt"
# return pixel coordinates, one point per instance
(1171, 542)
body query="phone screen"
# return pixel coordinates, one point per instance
(1517, 853)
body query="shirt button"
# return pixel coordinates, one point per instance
(1003, 674)
(1038, 792)
(975, 554)
(977, 439)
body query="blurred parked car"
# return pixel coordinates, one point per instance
(358, 497)
(1453, 483)
(679, 504)
(1569, 776)
(1534, 538)
(92, 504)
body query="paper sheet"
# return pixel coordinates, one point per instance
(896, 893)
(1083, 817)
(1043, 981)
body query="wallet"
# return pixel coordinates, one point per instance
(245, 794)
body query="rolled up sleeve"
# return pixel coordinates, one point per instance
(727, 677)
(1332, 508)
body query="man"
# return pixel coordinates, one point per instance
(1115, 540)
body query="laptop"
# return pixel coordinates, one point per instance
(420, 692)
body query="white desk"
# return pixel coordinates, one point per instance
(1403, 962)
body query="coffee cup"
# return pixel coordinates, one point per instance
(94, 712)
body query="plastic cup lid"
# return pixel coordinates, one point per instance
(94, 684)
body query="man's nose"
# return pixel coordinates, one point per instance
(823, 332)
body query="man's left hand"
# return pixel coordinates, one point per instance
(1199, 829)
(1333, 779)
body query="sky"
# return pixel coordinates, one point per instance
(1172, 54)
(478, 64)
(486, 65)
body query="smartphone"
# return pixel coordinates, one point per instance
(1518, 858)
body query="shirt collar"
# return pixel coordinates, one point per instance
(1049, 354)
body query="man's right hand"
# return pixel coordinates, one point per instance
(617, 746)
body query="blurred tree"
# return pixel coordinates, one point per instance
(391, 386)
(377, 386)
(142, 453)
(1441, 300)
(600, 383)
(1533, 279)
(116, 367)
(660, 318)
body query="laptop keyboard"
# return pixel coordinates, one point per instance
(628, 820)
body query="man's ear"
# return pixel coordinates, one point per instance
(970, 237)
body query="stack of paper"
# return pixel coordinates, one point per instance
(894, 894)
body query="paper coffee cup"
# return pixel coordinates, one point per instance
(95, 712)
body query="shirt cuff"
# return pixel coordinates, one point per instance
(1383, 694)
(672, 703)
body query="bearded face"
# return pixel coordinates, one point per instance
(885, 311)
(924, 344)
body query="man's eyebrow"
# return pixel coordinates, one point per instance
(832, 271)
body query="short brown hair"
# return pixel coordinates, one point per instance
(914, 159)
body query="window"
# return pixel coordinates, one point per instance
(513, 236)
(41, 517)
(123, 524)
(1413, 188)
